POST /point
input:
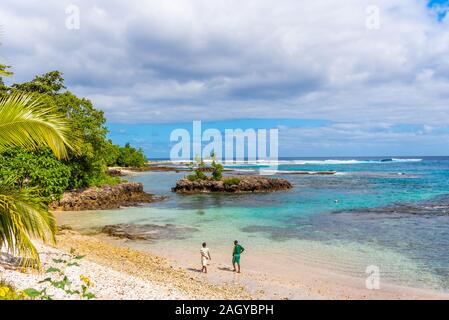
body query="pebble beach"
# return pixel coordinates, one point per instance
(115, 273)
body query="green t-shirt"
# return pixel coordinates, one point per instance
(238, 249)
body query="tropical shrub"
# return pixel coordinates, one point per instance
(112, 154)
(39, 170)
(192, 177)
(217, 171)
(199, 167)
(89, 164)
(106, 180)
(231, 181)
(130, 157)
(56, 278)
(33, 116)
(28, 122)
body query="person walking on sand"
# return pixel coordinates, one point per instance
(205, 257)
(238, 250)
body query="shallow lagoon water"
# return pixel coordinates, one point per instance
(391, 214)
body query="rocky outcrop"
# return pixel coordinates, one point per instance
(106, 197)
(147, 231)
(115, 172)
(237, 184)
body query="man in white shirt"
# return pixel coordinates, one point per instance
(205, 257)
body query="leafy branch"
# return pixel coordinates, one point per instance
(58, 279)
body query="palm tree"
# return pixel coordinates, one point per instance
(4, 72)
(26, 121)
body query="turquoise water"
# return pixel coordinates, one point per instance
(390, 213)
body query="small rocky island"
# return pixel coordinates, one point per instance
(106, 197)
(234, 184)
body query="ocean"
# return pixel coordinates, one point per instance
(391, 213)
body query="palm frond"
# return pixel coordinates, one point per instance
(4, 72)
(27, 121)
(23, 217)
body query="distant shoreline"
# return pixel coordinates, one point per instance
(181, 167)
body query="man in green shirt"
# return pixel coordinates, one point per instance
(238, 250)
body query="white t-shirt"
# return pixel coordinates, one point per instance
(204, 253)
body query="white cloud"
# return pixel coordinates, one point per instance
(368, 139)
(150, 61)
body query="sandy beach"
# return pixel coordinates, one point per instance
(116, 273)
(275, 276)
(120, 272)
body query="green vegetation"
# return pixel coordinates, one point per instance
(128, 156)
(231, 181)
(199, 168)
(55, 278)
(50, 140)
(40, 170)
(217, 170)
(29, 123)
(7, 292)
(87, 165)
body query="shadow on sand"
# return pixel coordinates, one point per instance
(11, 262)
(194, 270)
(225, 269)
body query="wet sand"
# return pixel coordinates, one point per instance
(263, 276)
(148, 267)
(275, 276)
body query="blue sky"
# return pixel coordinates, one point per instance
(328, 139)
(313, 69)
(441, 6)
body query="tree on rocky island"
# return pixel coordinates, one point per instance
(200, 168)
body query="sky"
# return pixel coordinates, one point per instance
(337, 78)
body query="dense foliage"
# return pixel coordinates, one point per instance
(199, 168)
(40, 170)
(28, 122)
(231, 181)
(130, 157)
(50, 140)
(85, 167)
(217, 170)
